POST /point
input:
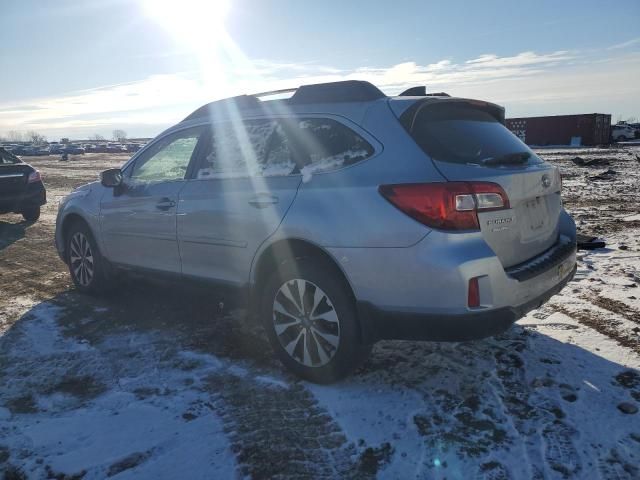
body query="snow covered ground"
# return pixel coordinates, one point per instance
(154, 383)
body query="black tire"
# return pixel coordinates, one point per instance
(31, 214)
(350, 352)
(101, 278)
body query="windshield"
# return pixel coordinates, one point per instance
(460, 133)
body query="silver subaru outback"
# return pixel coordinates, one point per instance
(343, 216)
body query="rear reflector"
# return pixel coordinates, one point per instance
(448, 205)
(34, 177)
(473, 299)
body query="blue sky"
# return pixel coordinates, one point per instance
(84, 67)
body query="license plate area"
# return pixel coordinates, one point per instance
(536, 218)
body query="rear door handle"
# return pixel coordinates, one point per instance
(263, 200)
(165, 204)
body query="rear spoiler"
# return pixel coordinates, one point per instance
(409, 115)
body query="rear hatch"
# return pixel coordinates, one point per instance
(467, 141)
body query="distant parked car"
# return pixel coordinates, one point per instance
(73, 150)
(21, 187)
(116, 148)
(19, 150)
(34, 151)
(132, 147)
(623, 132)
(55, 148)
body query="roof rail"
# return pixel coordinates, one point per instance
(344, 91)
(333, 92)
(421, 91)
(274, 92)
(240, 102)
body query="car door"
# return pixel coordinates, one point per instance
(138, 219)
(241, 192)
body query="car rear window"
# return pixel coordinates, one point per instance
(7, 158)
(462, 133)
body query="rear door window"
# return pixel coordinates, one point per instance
(461, 133)
(237, 149)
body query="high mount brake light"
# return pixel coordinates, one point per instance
(34, 177)
(449, 205)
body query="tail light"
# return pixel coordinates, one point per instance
(446, 206)
(34, 177)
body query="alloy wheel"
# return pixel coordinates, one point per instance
(306, 323)
(81, 259)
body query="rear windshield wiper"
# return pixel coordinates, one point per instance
(516, 158)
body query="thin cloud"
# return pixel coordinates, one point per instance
(527, 78)
(626, 44)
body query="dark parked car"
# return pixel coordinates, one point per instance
(21, 187)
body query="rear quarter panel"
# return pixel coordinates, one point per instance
(343, 208)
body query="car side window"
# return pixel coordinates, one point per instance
(237, 149)
(168, 159)
(280, 159)
(323, 144)
(267, 148)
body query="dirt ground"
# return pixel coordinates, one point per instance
(155, 381)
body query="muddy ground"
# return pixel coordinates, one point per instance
(155, 381)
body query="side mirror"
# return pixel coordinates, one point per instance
(111, 178)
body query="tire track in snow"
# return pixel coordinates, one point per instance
(279, 431)
(607, 327)
(617, 307)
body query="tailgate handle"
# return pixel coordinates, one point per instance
(165, 204)
(263, 200)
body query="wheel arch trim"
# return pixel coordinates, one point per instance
(300, 245)
(65, 223)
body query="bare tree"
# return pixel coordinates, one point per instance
(96, 137)
(35, 137)
(119, 135)
(14, 136)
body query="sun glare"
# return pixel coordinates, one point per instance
(198, 23)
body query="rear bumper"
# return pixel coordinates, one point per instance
(34, 195)
(379, 324)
